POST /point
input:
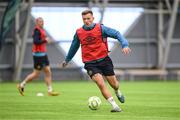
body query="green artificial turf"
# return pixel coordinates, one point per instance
(144, 101)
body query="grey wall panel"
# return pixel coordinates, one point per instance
(67, 74)
(28, 59)
(174, 56)
(139, 30)
(58, 74)
(7, 54)
(6, 74)
(140, 55)
(177, 28)
(176, 33)
(55, 55)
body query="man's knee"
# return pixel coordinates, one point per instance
(47, 70)
(99, 80)
(35, 74)
(95, 75)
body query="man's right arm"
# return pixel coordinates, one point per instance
(36, 38)
(73, 49)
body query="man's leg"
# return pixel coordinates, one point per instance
(29, 78)
(98, 78)
(48, 80)
(115, 85)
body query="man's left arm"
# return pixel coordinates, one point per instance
(110, 32)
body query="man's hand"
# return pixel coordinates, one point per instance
(48, 40)
(126, 50)
(64, 64)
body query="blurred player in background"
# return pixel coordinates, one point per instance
(93, 40)
(40, 59)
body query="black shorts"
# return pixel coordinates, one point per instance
(40, 62)
(104, 67)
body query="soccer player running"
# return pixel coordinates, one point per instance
(40, 58)
(93, 40)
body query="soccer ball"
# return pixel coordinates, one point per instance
(39, 94)
(94, 102)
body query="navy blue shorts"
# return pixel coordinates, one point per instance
(40, 62)
(104, 67)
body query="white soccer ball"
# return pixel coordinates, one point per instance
(94, 102)
(39, 94)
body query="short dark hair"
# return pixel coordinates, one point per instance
(87, 12)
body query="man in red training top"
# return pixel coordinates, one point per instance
(93, 40)
(40, 58)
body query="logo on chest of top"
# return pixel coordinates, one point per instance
(90, 40)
